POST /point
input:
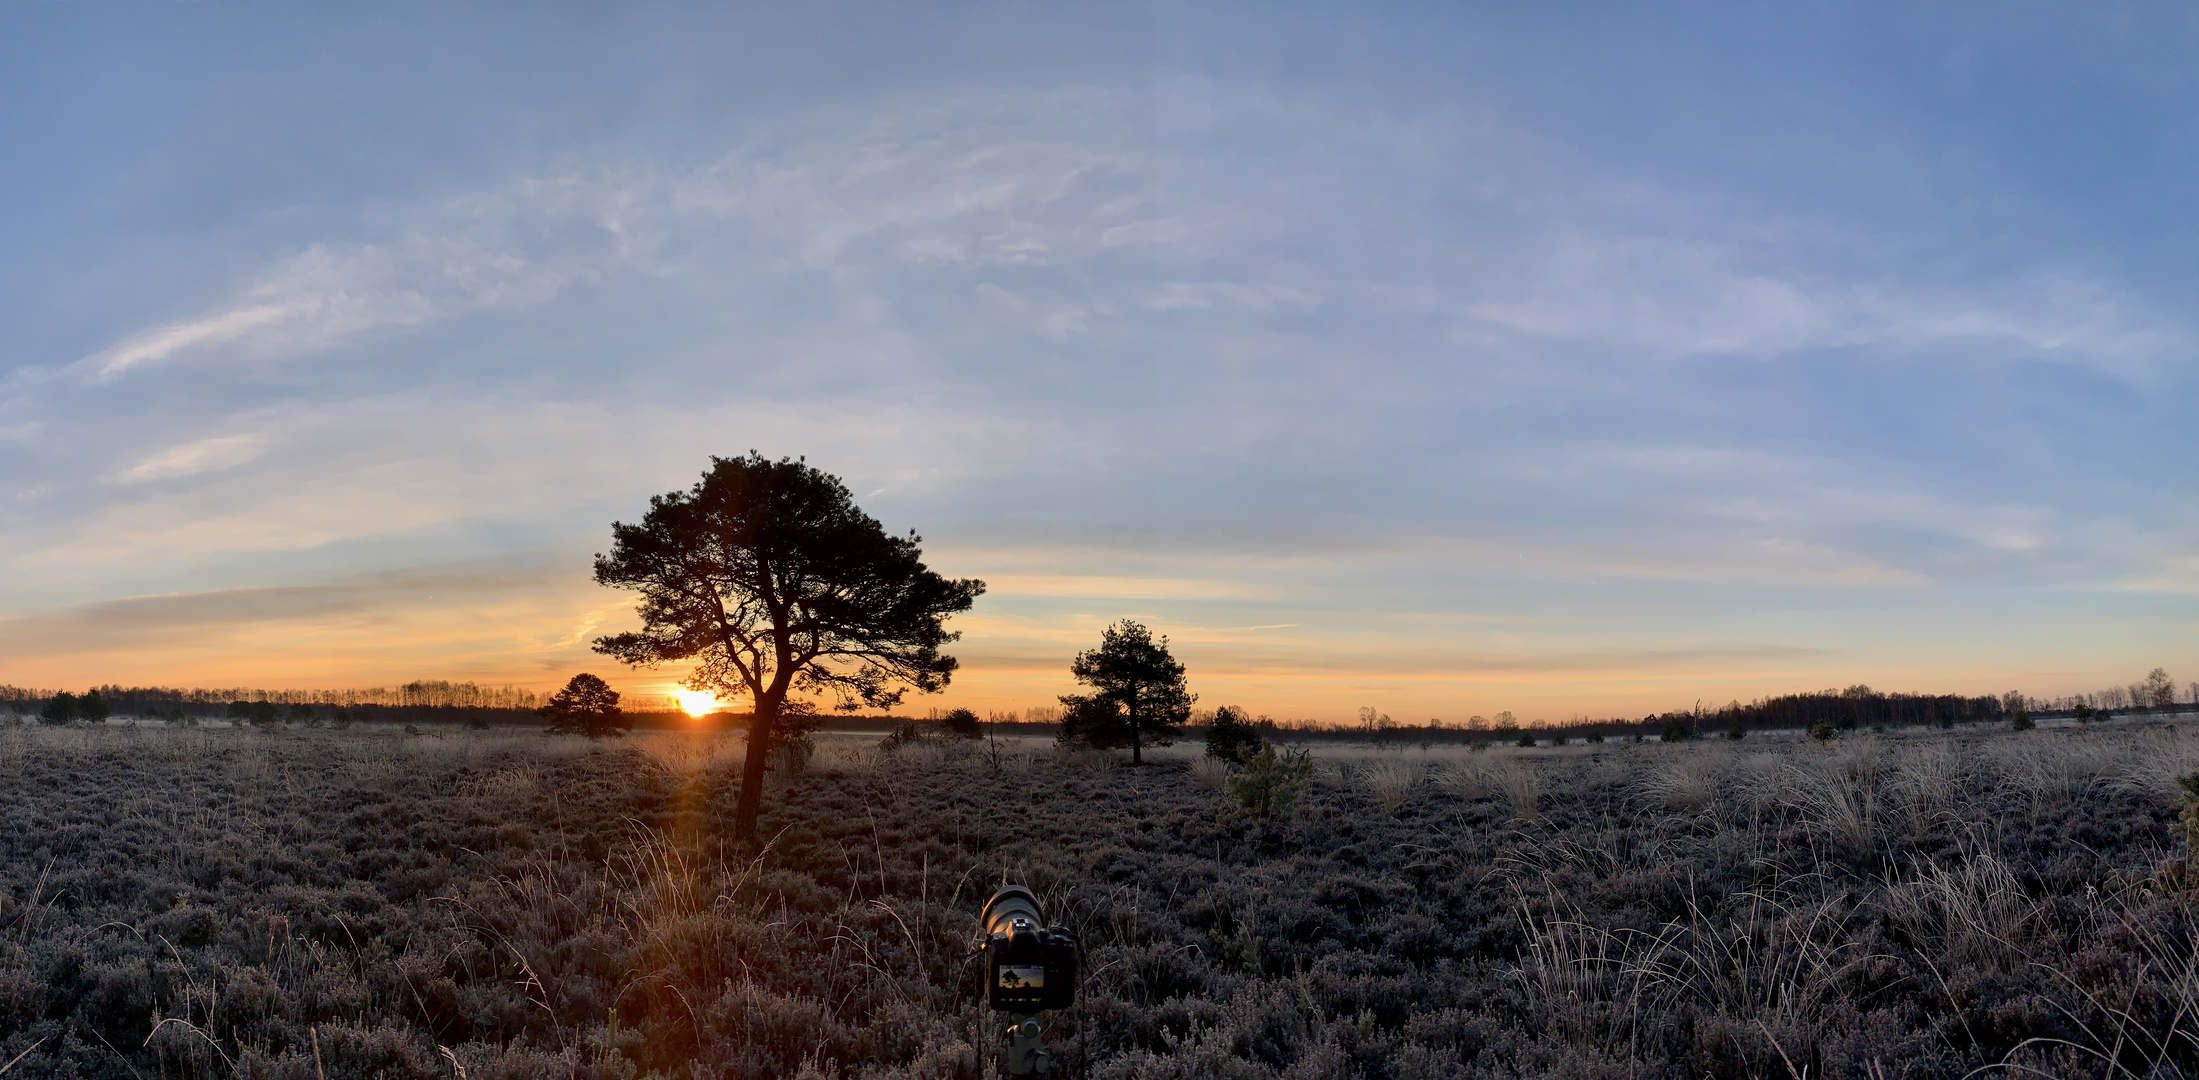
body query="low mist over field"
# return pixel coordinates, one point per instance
(667, 541)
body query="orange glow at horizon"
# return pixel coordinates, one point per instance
(697, 702)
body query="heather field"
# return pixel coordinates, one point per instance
(362, 903)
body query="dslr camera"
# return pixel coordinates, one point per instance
(1029, 967)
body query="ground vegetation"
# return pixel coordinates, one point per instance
(294, 902)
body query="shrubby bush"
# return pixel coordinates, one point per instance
(585, 706)
(1232, 736)
(793, 742)
(961, 724)
(904, 733)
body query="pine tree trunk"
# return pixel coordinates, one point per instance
(751, 801)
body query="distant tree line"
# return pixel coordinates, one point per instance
(419, 694)
(422, 701)
(1855, 707)
(2157, 692)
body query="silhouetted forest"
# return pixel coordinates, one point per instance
(1855, 707)
(420, 693)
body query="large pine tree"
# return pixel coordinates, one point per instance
(767, 577)
(1138, 695)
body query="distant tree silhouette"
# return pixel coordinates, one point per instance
(93, 709)
(587, 706)
(59, 709)
(1138, 693)
(961, 724)
(2160, 690)
(768, 577)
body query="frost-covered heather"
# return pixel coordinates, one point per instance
(216, 903)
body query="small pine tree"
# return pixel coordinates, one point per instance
(93, 709)
(1736, 731)
(1271, 781)
(1821, 731)
(59, 709)
(1232, 736)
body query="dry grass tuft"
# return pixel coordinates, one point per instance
(1504, 776)
(1689, 780)
(1838, 801)
(1393, 782)
(1212, 772)
(1971, 909)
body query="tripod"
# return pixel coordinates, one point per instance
(1019, 1052)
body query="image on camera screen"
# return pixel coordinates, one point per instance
(1022, 978)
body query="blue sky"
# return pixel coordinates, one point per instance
(1554, 358)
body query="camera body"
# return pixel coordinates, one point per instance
(1028, 966)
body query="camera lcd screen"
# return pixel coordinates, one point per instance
(1022, 978)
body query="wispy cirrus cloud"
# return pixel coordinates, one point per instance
(193, 458)
(1662, 297)
(967, 188)
(975, 184)
(333, 293)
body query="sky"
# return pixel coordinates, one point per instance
(1564, 359)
